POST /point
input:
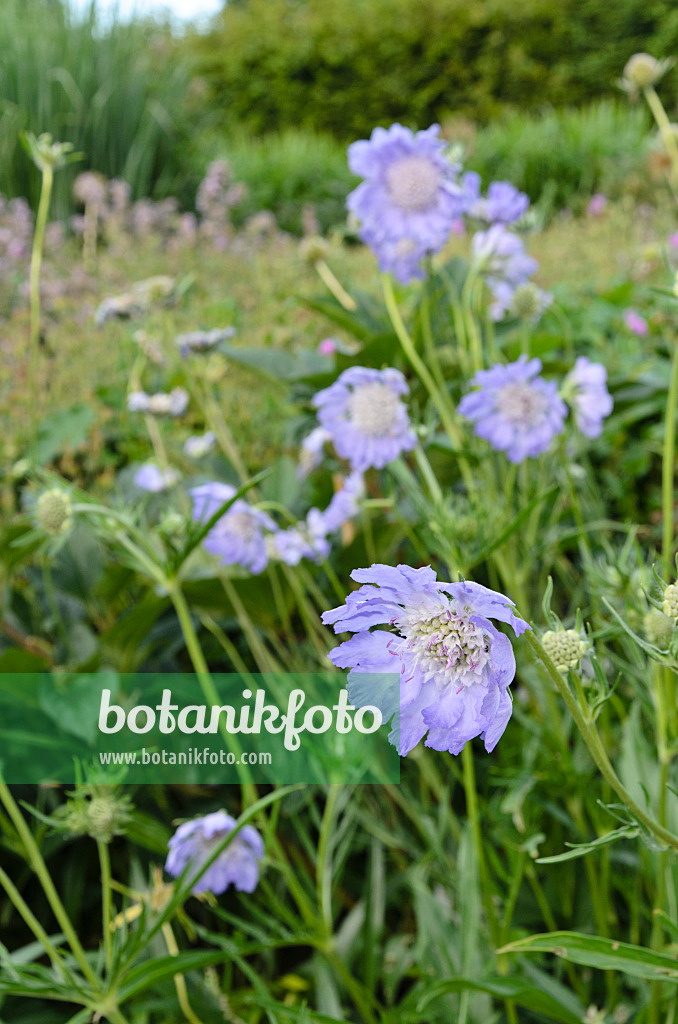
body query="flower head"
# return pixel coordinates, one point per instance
(238, 864)
(151, 477)
(670, 601)
(203, 341)
(591, 401)
(514, 409)
(198, 445)
(236, 538)
(642, 70)
(173, 403)
(500, 256)
(635, 323)
(503, 204)
(410, 195)
(454, 664)
(565, 647)
(365, 416)
(529, 302)
(53, 511)
(597, 204)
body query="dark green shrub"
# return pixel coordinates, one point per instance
(341, 67)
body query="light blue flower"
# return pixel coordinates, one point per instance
(410, 196)
(454, 665)
(499, 255)
(237, 538)
(514, 409)
(150, 477)
(237, 865)
(586, 387)
(365, 416)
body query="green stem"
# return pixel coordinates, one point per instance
(664, 125)
(453, 430)
(106, 908)
(40, 868)
(591, 738)
(668, 471)
(324, 862)
(34, 292)
(31, 920)
(207, 686)
(474, 820)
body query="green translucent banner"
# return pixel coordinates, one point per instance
(180, 728)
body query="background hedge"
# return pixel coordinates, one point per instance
(341, 67)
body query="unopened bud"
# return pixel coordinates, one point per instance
(658, 627)
(643, 71)
(670, 602)
(54, 511)
(565, 647)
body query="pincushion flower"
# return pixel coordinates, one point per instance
(308, 539)
(237, 538)
(514, 409)
(203, 341)
(454, 665)
(365, 416)
(172, 403)
(237, 865)
(410, 194)
(500, 256)
(150, 477)
(586, 387)
(199, 445)
(503, 203)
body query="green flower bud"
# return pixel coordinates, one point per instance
(565, 647)
(658, 627)
(643, 71)
(526, 304)
(53, 511)
(106, 817)
(313, 248)
(670, 602)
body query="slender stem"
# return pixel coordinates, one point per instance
(335, 286)
(207, 686)
(179, 980)
(324, 862)
(106, 909)
(664, 125)
(668, 470)
(31, 920)
(40, 868)
(34, 292)
(474, 820)
(453, 430)
(593, 742)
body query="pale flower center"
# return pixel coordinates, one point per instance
(243, 525)
(522, 404)
(413, 183)
(449, 642)
(374, 409)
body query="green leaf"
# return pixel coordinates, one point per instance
(66, 427)
(581, 849)
(521, 518)
(604, 954)
(150, 972)
(518, 990)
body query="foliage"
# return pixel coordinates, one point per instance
(341, 68)
(114, 90)
(285, 172)
(561, 157)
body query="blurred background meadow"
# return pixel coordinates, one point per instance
(204, 190)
